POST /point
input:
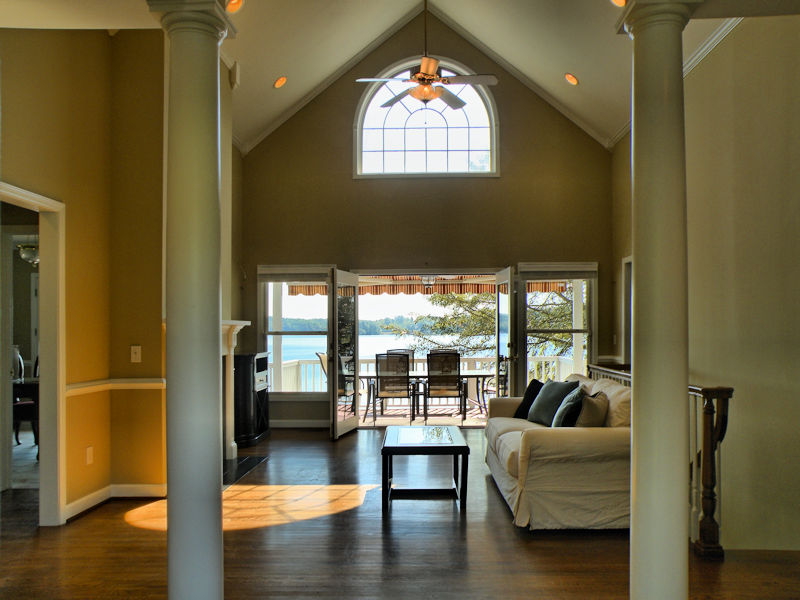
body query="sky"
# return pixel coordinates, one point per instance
(370, 306)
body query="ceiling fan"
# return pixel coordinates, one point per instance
(430, 82)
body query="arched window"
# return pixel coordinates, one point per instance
(414, 138)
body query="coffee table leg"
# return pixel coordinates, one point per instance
(386, 465)
(462, 496)
(455, 469)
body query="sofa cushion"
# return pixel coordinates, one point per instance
(619, 402)
(571, 405)
(548, 400)
(498, 426)
(508, 451)
(530, 395)
(593, 411)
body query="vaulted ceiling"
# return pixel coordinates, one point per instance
(313, 43)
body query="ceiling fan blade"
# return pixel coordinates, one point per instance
(396, 99)
(471, 79)
(369, 79)
(451, 99)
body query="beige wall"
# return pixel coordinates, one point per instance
(621, 239)
(552, 201)
(742, 152)
(22, 310)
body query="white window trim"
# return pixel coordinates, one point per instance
(372, 88)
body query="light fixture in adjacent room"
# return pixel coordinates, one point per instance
(29, 253)
(279, 82)
(571, 79)
(428, 280)
(233, 6)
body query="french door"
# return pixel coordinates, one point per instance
(343, 383)
(309, 327)
(505, 366)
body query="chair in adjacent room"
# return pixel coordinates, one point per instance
(392, 380)
(444, 380)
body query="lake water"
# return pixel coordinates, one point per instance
(304, 347)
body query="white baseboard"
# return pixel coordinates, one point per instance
(118, 490)
(138, 490)
(299, 424)
(87, 502)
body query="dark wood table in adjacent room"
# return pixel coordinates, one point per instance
(429, 441)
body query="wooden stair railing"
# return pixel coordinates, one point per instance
(714, 400)
(714, 425)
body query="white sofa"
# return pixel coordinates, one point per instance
(563, 477)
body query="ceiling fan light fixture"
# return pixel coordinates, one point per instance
(233, 6)
(428, 66)
(426, 92)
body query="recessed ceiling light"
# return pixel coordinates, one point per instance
(619, 3)
(234, 5)
(279, 82)
(571, 79)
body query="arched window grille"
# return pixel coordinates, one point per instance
(416, 138)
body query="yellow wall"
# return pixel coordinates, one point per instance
(742, 152)
(56, 139)
(87, 425)
(552, 201)
(138, 430)
(137, 86)
(82, 123)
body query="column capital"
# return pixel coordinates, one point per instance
(642, 13)
(208, 15)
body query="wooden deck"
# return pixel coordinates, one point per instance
(306, 523)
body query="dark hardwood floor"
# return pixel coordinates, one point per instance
(307, 523)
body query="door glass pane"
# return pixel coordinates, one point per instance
(557, 328)
(503, 336)
(346, 341)
(297, 336)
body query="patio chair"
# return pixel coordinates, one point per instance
(444, 380)
(343, 392)
(414, 381)
(391, 381)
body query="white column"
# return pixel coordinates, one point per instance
(659, 468)
(194, 411)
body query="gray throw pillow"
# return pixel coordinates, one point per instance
(593, 412)
(571, 405)
(547, 401)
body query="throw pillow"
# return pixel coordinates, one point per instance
(593, 412)
(548, 400)
(571, 405)
(530, 395)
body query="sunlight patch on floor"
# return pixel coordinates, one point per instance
(254, 506)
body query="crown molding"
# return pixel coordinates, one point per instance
(719, 34)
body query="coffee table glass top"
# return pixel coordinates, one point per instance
(430, 434)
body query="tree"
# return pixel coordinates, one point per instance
(470, 320)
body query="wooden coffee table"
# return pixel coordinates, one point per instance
(429, 440)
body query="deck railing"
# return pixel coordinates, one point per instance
(308, 376)
(708, 420)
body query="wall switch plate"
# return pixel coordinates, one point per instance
(89, 455)
(136, 354)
